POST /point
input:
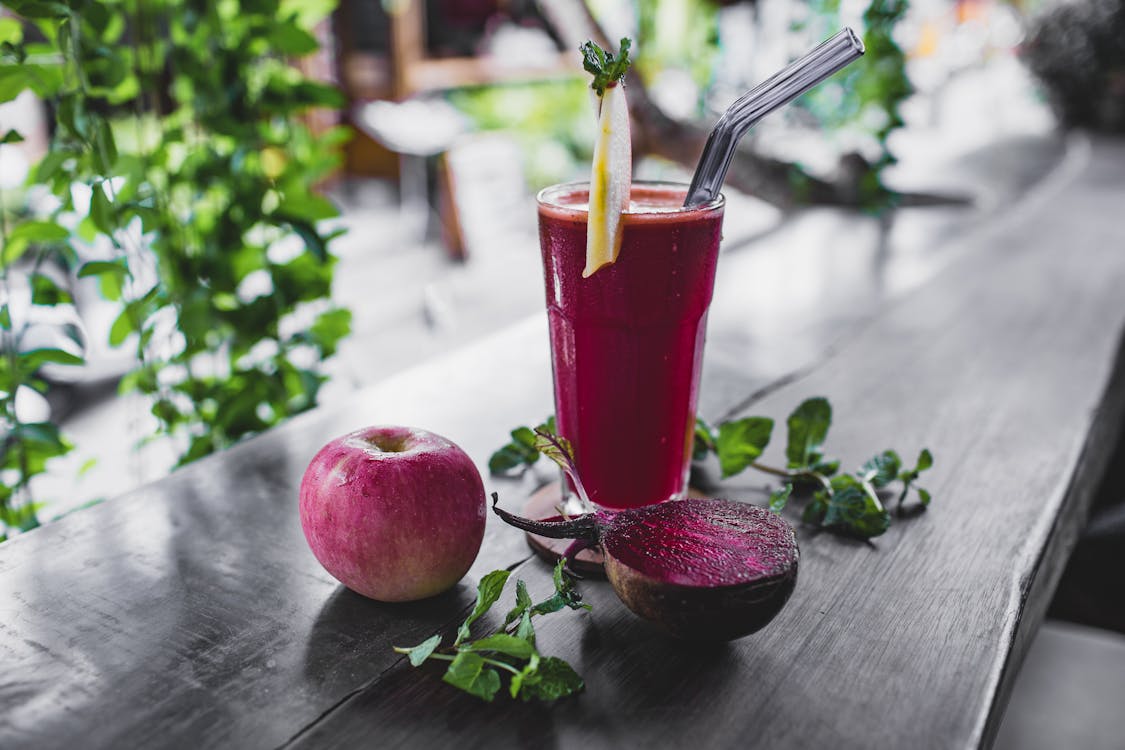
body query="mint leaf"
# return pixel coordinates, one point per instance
(566, 595)
(606, 68)
(742, 441)
(523, 603)
(815, 510)
(519, 453)
(854, 509)
(703, 441)
(909, 476)
(827, 467)
(468, 672)
(779, 497)
(488, 591)
(526, 630)
(808, 428)
(553, 679)
(422, 651)
(502, 643)
(881, 470)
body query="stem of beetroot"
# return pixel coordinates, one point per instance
(583, 527)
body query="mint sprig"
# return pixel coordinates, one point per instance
(847, 504)
(606, 68)
(514, 458)
(479, 666)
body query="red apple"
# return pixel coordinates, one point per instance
(394, 513)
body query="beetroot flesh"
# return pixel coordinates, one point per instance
(703, 569)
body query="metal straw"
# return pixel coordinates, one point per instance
(776, 91)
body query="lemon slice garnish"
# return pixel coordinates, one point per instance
(610, 180)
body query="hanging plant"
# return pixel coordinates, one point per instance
(183, 119)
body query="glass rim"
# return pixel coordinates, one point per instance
(548, 197)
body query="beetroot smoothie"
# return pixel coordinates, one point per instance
(627, 342)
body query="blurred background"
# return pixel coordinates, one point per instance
(215, 215)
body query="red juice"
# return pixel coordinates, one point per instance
(627, 342)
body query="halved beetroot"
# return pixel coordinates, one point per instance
(701, 568)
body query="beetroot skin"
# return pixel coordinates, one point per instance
(394, 513)
(702, 569)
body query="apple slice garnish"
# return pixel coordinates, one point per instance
(611, 176)
(610, 180)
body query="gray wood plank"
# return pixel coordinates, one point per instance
(1008, 366)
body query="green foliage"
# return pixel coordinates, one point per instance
(606, 67)
(681, 35)
(475, 666)
(741, 441)
(182, 117)
(848, 504)
(866, 95)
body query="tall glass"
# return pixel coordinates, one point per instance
(627, 342)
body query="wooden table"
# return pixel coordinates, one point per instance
(191, 613)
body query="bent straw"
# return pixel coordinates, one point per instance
(778, 90)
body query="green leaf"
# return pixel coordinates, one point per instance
(882, 469)
(925, 461)
(50, 165)
(5, 317)
(33, 359)
(808, 429)
(553, 679)
(518, 454)
(11, 31)
(779, 497)
(122, 327)
(12, 136)
(44, 291)
(290, 39)
(468, 673)
(740, 442)
(703, 441)
(827, 467)
(38, 8)
(488, 592)
(523, 603)
(606, 68)
(526, 630)
(329, 328)
(566, 595)
(101, 210)
(100, 267)
(422, 651)
(557, 448)
(502, 643)
(815, 510)
(924, 496)
(854, 509)
(104, 146)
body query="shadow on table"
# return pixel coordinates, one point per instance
(353, 637)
